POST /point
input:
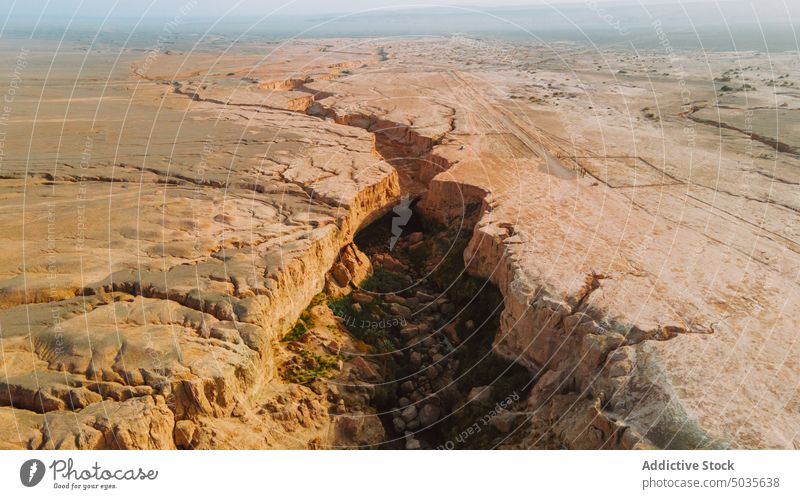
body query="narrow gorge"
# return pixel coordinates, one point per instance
(439, 334)
(381, 248)
(421, 326)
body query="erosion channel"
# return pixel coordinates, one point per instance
(422, 329)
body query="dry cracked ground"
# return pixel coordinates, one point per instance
(415, 243)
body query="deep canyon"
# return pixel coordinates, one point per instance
(409, 244)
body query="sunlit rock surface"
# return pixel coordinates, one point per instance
(166, 221)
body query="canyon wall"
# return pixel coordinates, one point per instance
(165, 262)
(150, 317)
(614, 308)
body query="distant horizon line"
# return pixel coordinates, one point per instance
(466, 8)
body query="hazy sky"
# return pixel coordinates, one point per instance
(216, 8)
(723, 24)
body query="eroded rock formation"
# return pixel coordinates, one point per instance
(159, 267)
(162, 287)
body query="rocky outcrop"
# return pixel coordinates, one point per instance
(185, 287)
(352, 267)
(157, 304)
(620, 337)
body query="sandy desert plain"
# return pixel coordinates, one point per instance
(432, 242)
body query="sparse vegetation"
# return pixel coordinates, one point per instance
(309, 367)
(449, 275)
(297, 332)
(383, 281)
(303, 324)
(649, 114)
(367, 322)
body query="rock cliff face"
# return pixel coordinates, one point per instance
(167, 301)
(584, 367)
(622, 330)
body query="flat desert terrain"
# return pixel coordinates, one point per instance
(407, 242)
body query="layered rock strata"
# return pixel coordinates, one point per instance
(158, 287)
(638, 330)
